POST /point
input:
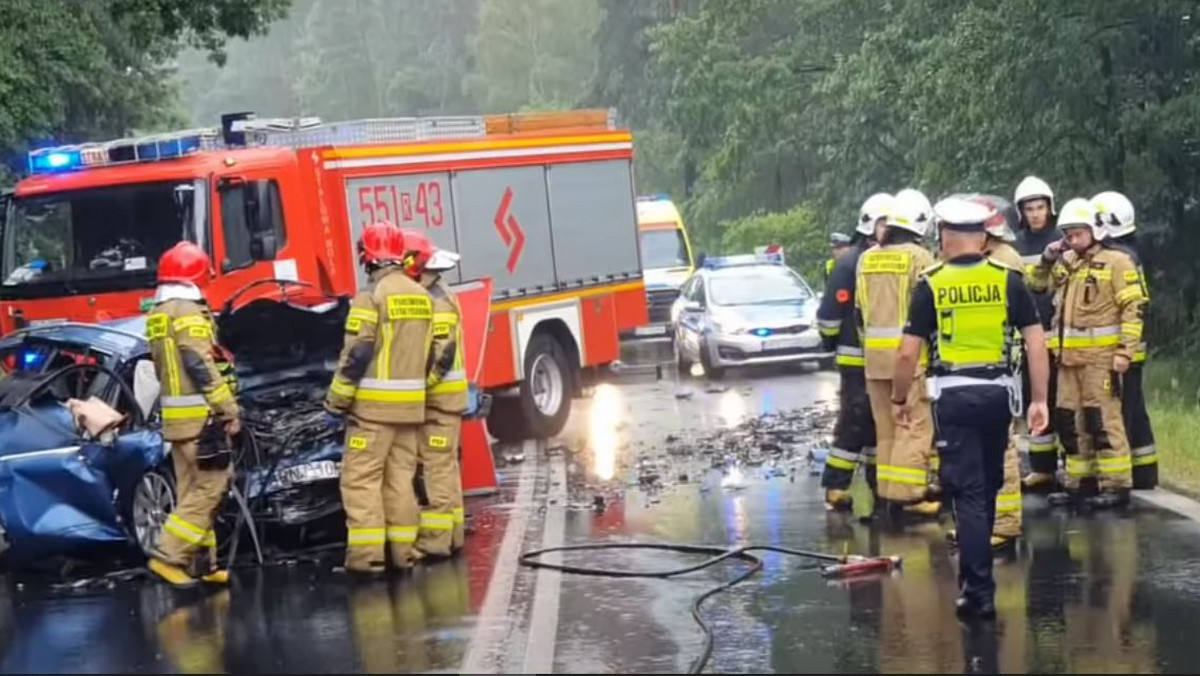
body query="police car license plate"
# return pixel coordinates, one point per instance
(790, 343)
(309, 472)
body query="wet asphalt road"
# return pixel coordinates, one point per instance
(1112, 592)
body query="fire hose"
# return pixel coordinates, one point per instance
(840, 566)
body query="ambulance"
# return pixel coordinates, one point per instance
(543, 204)
(667, 260)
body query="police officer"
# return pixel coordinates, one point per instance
(1036, 210)
(197, 406)
(965, 310)
(1098, 326)
(839, 243)
(1116, 214)
(380, 385)
(445, 401)
(854, 431)
(885, 277)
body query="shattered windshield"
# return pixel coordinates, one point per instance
(104, 238)
(757, 286)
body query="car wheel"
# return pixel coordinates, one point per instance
(711, 370)
(682, 364)
(151, 501)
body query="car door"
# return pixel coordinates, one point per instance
(691, 318)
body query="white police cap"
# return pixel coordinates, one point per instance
(957, 213)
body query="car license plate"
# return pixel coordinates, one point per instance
(309, 472)
(654, 330)
(790, 343)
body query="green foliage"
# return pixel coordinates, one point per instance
(73, 71)
(798, 229)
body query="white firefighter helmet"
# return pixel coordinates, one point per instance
(1079, 213)
(910, 210)
(875, 208)
(442, 260)
(1032, 187)
(1115, 212)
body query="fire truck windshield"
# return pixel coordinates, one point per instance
(98, 239)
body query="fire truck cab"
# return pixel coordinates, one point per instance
(543, 204)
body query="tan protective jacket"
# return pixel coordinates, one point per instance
(381, 373)
(183, 341)
(886, 276)
(447, 378)
(1098, 299)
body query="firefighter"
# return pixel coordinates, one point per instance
(998, 247)
(1098, 325)
(1036, 212)
(199, 413)
(839, 243)
(1117, 216)
(854, 432)
(445, 401)
(885, 276)
(965, 310)
(380, 385)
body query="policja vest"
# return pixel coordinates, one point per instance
(973, 337)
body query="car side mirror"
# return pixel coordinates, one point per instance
(693, 306)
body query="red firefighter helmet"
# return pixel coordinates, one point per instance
(184, 263)
(380, 242)
(417, 251)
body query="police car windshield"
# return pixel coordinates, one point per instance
(99, 239)
(757, 285)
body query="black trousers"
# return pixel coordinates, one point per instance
(1043, 449)
(1137, 428)
(971, 428)
(853, 433)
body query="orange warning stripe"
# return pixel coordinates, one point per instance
(467, 146)
(585, 292)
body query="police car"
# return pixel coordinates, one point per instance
(745, 310)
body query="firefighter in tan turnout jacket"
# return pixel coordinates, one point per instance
(886, 275)
(441, 529)
(199, 412)
(380, 385)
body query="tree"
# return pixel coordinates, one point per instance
(72, 71)
(533, 54)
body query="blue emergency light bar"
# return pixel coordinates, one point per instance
(656, 197)
(718, 262)
(121, 151)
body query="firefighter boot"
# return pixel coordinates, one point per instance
(838, 500)
(1109, 500)
(173, 575)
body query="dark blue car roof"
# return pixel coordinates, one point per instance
(121, 338)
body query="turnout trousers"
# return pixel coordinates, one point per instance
(903, 455)
(441, 524)
(972, 426)
(853, 433)
(189, 527)
(1091, 428)
(377, 493)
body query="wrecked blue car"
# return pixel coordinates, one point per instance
(66, 494)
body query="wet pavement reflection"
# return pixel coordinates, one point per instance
(1108, 592)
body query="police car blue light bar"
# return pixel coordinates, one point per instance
(656, 197)
(768, 257)
(122, 151)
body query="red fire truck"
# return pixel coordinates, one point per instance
(544, 204)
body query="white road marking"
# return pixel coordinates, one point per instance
(543, 621)
(1170, 501)
(492, 626)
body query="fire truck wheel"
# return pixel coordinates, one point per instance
(544, 404)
